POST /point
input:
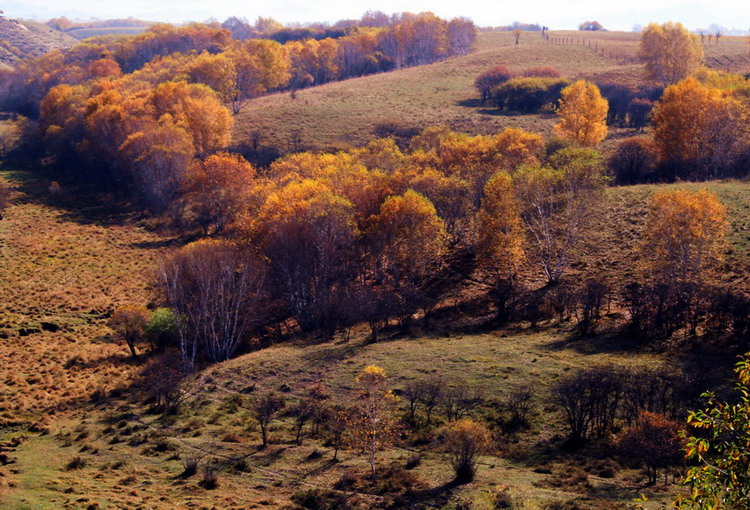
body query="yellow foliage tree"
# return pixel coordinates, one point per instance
(685, 235)
(372, 426)
(409, 234)
(583, 114)
(670, 51)
(700, 127)
(465, 440)
(501, 229)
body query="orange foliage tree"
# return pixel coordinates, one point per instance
(307, 233)
(217, 190)
(654, 441)
(583, 114)
(685, 235)
(670, 51)
(129, 324)
(700, 129)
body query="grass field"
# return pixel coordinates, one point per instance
(344, 113)
(85, 33)
(64, 266)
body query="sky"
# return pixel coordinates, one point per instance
(557, 14)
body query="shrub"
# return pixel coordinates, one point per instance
(190, 462)
(413, 461)
(490, 79)
(210, 479)
(465, 440)
(634, 161)
(321, 499)
(542, 72)
(76, 462)
(162, 328)
(653, 442)
(529, 95)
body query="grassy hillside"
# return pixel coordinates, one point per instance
(66, 262)
(443, 93)
(25, 39)
(83, 33)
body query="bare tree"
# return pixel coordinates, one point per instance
(264, 409)
(217, 292)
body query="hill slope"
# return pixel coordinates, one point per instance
(66, 262)
(21, 39)
(346, 112)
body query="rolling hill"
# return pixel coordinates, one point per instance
(25, 39)
(345, 113)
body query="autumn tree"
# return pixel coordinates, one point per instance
(216, 190)
(700, 131)
(501, 235)
(264, 409)
(372, 426)
(129, 324)
(718, 446)
(217, 290)
(196, 109)
(307, 233)
(591, 26)
(408, 239)
(670, 51)
(557, 202)
(260, 65)
(583, 114)
(653, 441)
(465, 440)
(157, 156)
(685, 235)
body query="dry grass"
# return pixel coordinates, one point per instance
(63, 271)
(344, 113)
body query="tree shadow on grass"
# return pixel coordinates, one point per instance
(79, 204)
(436, 497)
(610, 341)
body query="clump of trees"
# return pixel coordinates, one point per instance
(671, 53)
(529, 94)
(528, 91)
(701, 132)
(217, 290)
(591, 26)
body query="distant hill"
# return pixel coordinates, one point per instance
(23, 39)
(83, 30)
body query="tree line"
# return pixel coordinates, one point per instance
(237, 69)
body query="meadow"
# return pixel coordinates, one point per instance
(345, 113)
